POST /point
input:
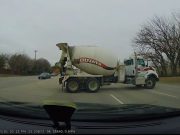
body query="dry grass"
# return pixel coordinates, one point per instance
(170, 80)
(8, 75)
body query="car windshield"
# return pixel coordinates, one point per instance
(87, 53)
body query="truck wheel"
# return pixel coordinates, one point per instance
(93, 85)
(72, 85)
(150, 83)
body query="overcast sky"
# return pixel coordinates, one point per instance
(28, 25)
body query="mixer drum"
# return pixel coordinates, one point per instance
(93, 60)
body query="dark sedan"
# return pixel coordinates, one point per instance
(44, 76)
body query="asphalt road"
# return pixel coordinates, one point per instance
(30, 89)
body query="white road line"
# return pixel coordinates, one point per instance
(119, 101)
(164, 94)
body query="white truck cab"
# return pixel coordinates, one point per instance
(138, 73)
(132, 63)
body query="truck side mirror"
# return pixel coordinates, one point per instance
(147, 65)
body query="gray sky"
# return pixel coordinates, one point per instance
(26, 25)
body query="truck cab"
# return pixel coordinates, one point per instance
(137, 73)
(133, 64)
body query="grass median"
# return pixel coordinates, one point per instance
(8, 75)
(170, 80)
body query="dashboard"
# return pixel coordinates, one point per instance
(13, 125)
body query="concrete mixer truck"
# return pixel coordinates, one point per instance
(99, 67)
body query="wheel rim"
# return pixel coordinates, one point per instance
(93, 85)
(73, 85)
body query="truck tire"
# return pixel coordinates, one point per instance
(72, 85)
(93, 85)
(150, 83)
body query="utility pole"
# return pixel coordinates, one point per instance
(35, 51)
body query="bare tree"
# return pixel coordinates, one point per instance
(158, 39)
(3, 60)
(41, 65)
(20, 64)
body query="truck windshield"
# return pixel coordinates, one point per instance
(141, 62)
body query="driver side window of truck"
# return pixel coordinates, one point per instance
(129, 62)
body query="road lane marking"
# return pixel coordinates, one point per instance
(164, 94)
(119, 101)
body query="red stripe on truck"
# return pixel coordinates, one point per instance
(93, 61)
